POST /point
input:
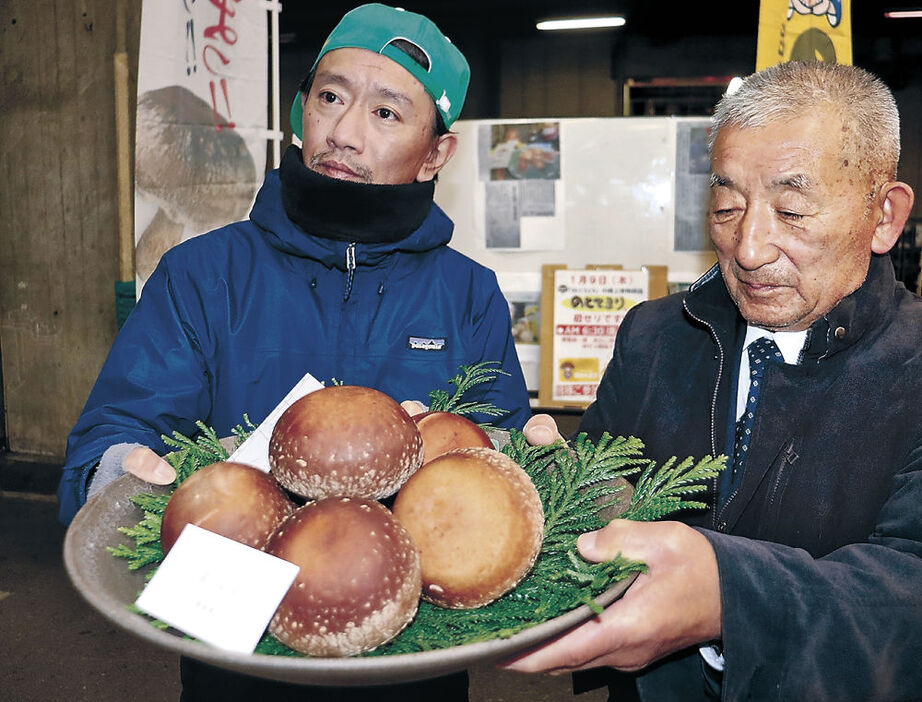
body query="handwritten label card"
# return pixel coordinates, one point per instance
(217, 590)
(255, 450)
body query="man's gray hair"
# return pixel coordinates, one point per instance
(795, 89)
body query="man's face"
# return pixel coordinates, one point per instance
(790, 218)
(367, 119)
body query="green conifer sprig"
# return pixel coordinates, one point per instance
(146, 535)
(190, 455)
(468, 377)
(575, 484)
(243, 431)
(584, 484)
(151, 502)
(660, 492)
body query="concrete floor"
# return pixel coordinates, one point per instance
(54, 646)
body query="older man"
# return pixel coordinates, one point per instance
(342, 270)
(802, 579)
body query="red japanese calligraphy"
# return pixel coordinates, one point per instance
(222, 32)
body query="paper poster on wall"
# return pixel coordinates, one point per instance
(201, 124)
(519, 170)
(523, 293)
(693, 169)
(589, 306)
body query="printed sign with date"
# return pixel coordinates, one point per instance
(588, 308)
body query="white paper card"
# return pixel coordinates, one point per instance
(217, 590)
(255, 450)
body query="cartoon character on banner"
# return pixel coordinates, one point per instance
(831, 8)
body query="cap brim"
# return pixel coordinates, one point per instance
(296, 116)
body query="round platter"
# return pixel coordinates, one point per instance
(107, 584)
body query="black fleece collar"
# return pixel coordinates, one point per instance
(866, 308)
(346, 211)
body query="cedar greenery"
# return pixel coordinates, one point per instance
(661, 492)
(578, 486)
(468, 377)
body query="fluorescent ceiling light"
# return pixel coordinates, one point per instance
(903, 14)
(581, 23)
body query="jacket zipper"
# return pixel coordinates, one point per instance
(720, 368)
(350, 270)
(790, 456)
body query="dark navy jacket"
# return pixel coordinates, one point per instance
(230, 320)
(820, 548)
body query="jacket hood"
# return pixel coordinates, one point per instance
(270, 214)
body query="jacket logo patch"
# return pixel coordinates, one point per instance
(425, 343)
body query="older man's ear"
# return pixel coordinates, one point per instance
(896, 201)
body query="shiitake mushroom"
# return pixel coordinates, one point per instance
(234, 500)
(345, 440)
(446, 431)
(359, 581)
(478, 522)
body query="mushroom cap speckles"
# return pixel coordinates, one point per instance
(359, 581)
(345, 440)
(477, 520)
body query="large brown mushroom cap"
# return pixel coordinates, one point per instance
(446, 431)
(477, 520)
(345, 440)
(231, 499)
(359, 582)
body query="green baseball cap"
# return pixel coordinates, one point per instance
(375, 27)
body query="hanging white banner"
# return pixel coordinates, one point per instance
(200, 147)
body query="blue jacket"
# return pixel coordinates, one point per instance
(230, 320)
(819, 550)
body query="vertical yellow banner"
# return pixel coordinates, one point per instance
(804, 30)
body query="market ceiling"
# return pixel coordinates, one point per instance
(302, 21)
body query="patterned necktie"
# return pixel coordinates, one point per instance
(761, 351)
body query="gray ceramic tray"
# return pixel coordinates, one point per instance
(107, 584)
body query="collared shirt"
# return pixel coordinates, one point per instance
(789, 343)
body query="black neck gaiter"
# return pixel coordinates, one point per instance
(346, 211)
